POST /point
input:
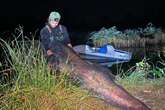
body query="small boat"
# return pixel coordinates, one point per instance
(103, 55)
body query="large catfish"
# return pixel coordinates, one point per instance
(94, 78)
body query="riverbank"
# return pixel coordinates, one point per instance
(34, 86)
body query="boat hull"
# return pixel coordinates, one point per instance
(99, 56)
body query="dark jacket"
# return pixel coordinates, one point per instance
(57, 34)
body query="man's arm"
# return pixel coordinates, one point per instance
(67, 38)
(45, 41)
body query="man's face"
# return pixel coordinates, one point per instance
(53, 23)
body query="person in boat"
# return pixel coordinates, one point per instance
(51, 33)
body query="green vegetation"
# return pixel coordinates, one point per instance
(33, 86)
(129, 37)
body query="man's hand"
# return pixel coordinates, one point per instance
(49, 52)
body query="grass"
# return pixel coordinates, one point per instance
(35, 87)
(151, 92)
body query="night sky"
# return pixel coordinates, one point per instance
(82, 15)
